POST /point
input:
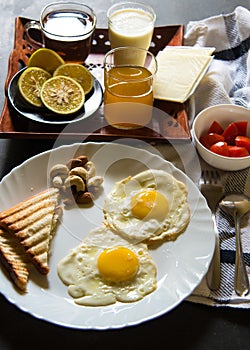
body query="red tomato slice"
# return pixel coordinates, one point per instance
(216, 128)
(230, 133)
(210, 139)
(213, 138)
(242, 127)
(220, 148)
(236, 151)
(243, 141)
(204, 141)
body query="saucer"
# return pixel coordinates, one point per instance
(93, 100)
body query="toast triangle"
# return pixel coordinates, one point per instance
(34, 221)
(14, 259)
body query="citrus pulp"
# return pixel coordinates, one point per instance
(78, 72)
(62, 95)
(30, 83)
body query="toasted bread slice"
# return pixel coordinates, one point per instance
(17, 209)
(14, 259)
(34, 221)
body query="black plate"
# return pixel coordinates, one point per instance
(93, 100)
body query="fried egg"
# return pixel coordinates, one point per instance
(149, 207)
(105, 268)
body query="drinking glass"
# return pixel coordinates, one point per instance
(131, 24)
(128, 93)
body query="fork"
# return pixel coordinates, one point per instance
(212, 189)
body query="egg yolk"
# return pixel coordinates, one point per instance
(151, 204)
(117, 264)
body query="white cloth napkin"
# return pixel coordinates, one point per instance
(228, 77)
(225, 296)
(226, 81)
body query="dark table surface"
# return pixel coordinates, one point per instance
(187, 326)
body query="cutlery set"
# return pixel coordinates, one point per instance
(236, 205)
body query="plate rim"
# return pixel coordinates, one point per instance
(130, 322)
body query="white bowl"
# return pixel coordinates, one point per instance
(224, 114)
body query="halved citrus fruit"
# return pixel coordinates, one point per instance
(30, 83)
(62, 95)
(78, 72)
(45, 58)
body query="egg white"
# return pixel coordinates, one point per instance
(118, 214)
(79, 271)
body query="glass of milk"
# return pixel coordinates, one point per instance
(131, 24)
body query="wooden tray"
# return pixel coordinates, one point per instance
(172, 127)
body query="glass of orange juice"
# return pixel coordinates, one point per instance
(128, 87)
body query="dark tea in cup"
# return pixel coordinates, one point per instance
(67, 28)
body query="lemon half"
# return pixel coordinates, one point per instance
(62, 95)
(30, 84)
(47, 59)
(78, 72)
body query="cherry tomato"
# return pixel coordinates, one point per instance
(231, 141)
(215, 127)
(243, 141)
(230, 133)
(220, 148)
(236, 151)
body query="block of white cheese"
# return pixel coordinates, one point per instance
(180, 69)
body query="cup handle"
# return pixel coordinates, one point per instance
(36, 26)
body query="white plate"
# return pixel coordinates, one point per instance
(181, 265)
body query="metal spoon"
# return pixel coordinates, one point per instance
(238, 205)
